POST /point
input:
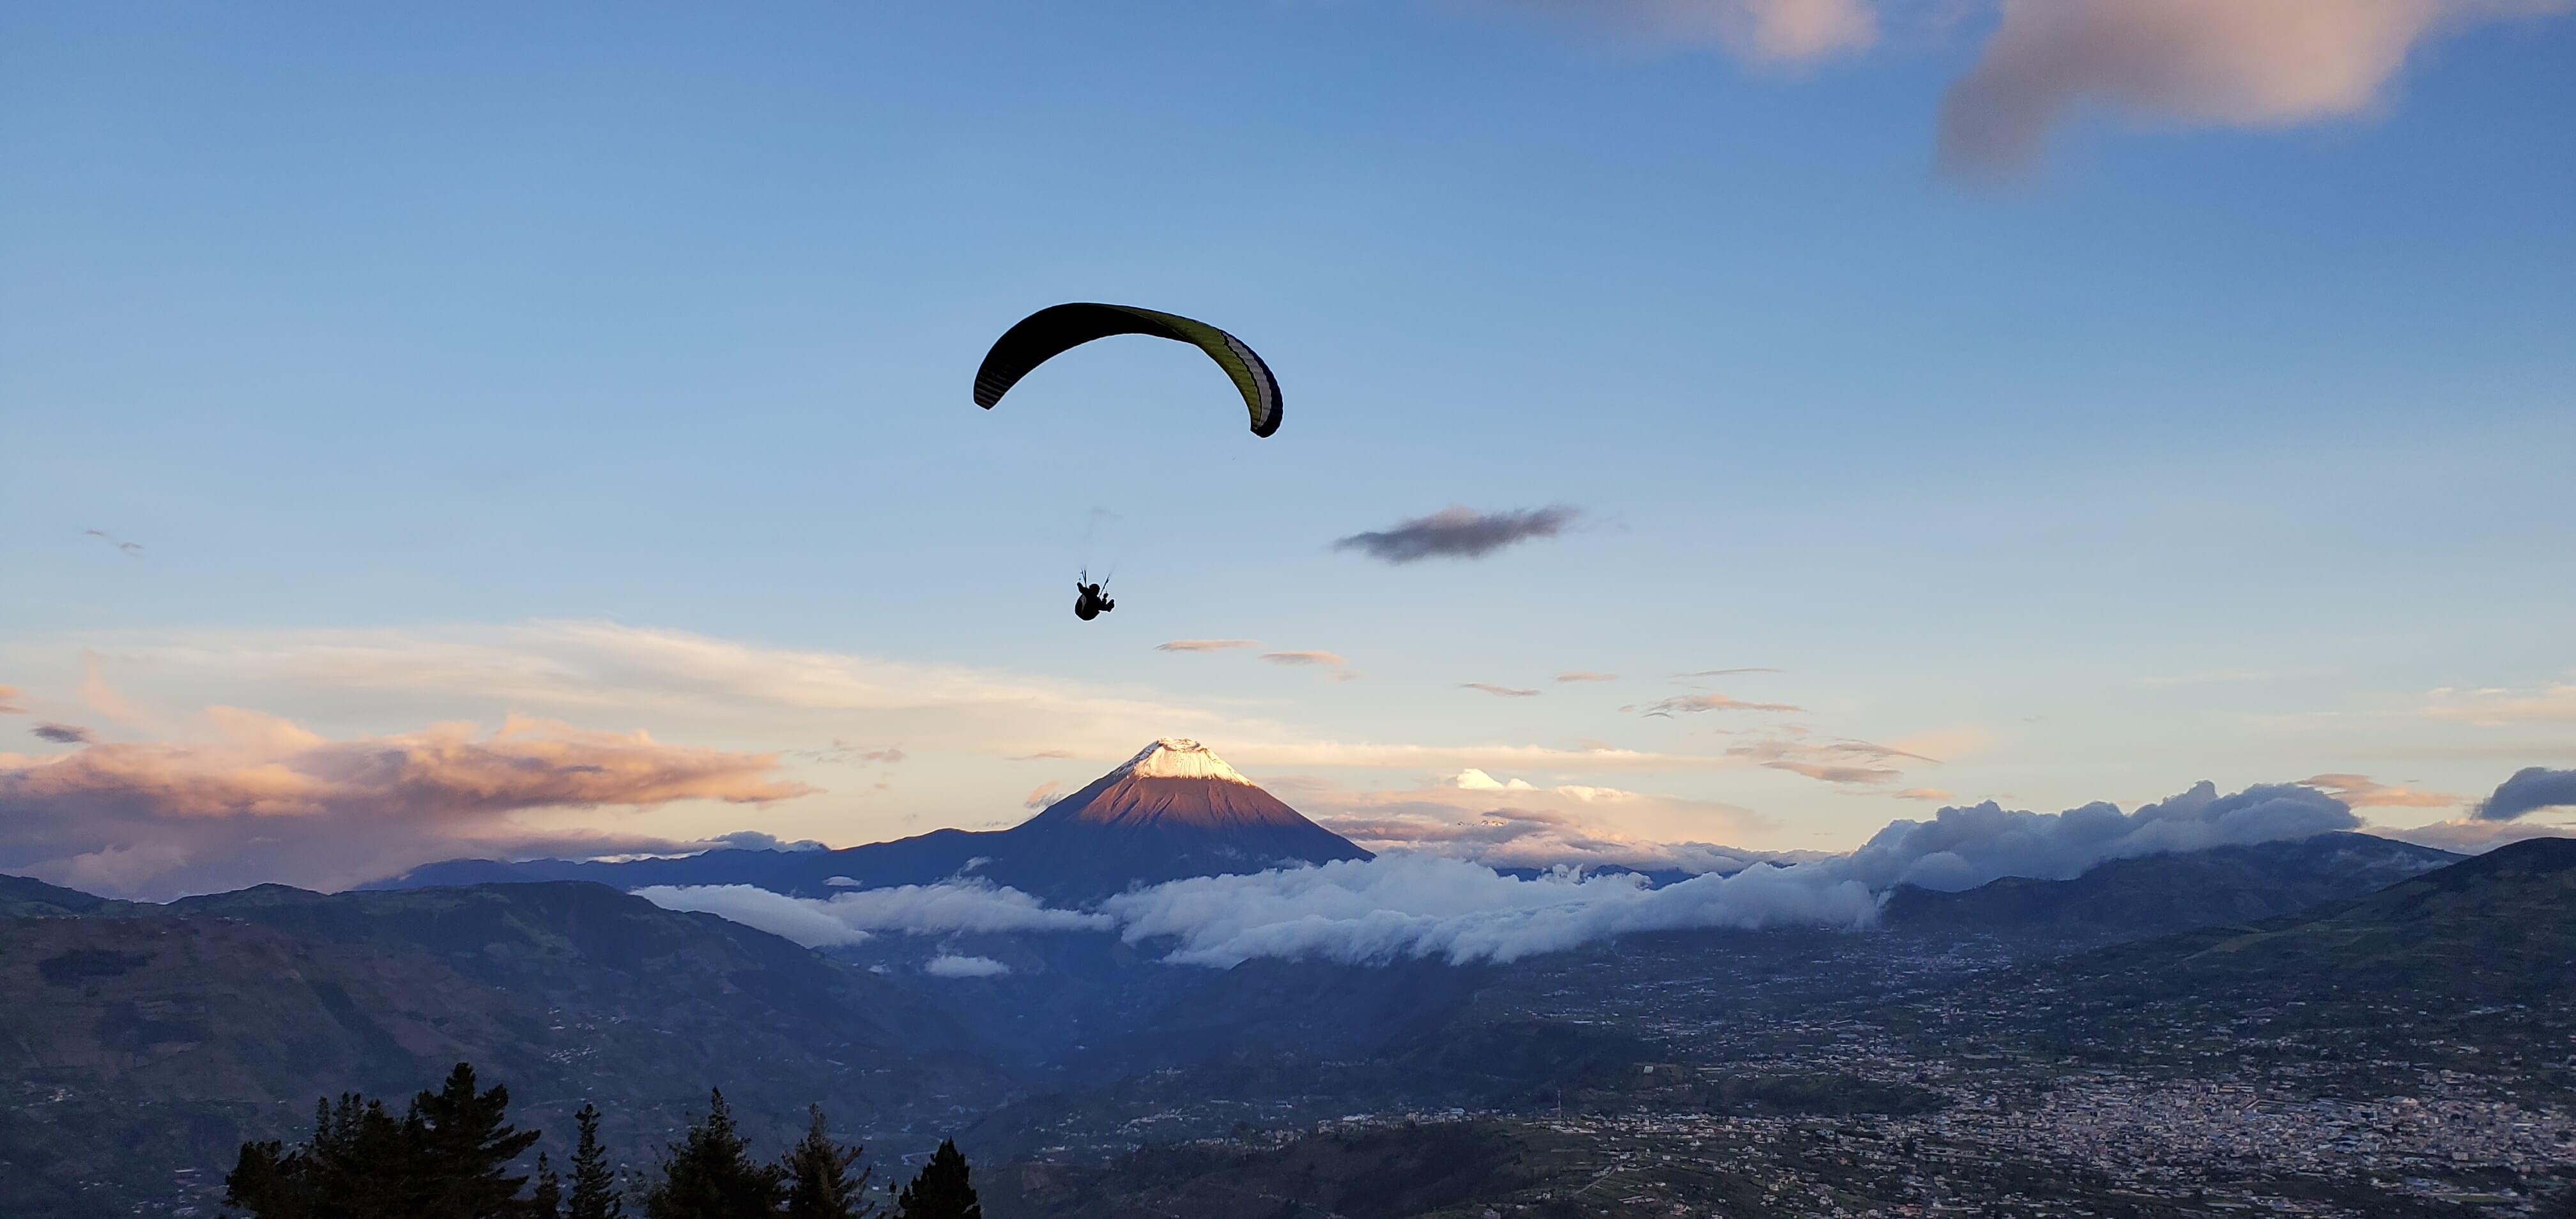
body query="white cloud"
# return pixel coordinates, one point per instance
(776, 913)
(951, 966)
(847, 918)
(1401, 906)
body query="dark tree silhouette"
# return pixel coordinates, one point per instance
(594, 1182)
(942, 1190)
(546, 1202)
(819, 1184)
(448, 1157)
(465, 1150)
(709, 1174)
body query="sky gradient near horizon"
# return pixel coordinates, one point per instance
(2038, 404)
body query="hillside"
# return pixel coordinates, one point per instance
(2158, 894)
(178, 1033)
(2469, 967)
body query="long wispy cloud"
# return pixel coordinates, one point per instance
(270, 800)
(1695, 703)
(1307, 657)
(1585, 675)
(1459, 532)
(2498, 706)
(1498, 691)
(1206, 645)
(1842, 762)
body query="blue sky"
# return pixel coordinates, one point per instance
(2227, 439)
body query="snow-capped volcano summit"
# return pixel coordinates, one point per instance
(1176, 757)
(1176, 801)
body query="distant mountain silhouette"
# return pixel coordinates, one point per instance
(2157, 894)
(1174, 811)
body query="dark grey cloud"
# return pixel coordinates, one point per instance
(64, 734)
(133, 550)
(2529, 790)
(1459, 532)
(754, 840)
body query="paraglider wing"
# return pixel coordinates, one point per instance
(1049, 332)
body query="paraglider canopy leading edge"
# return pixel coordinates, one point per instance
(1049, 332)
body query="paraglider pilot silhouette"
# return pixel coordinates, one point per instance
(1089, 602)
(1056, 329)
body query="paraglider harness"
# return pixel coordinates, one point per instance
(1089, 602)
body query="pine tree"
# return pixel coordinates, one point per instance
(547, 1200)
(819, 1185)
(465, 1148)
(594, 1183)
(444, 1159)
(709, 1174)
(941, 1191)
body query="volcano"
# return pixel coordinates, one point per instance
(1173, 811)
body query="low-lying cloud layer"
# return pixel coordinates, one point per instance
(1410, 906)
(1458, 532)
(1418, 901)
(271, 801)
(847, 918)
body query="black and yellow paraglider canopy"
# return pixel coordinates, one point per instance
(1049, 332)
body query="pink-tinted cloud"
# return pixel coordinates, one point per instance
(272, 801)
(2360, 791)
(1574, 675)
(1932, 794)
(1757, 31)
(1043, 795)
(1497, 691)
(9, 701)
(1694, 703)
(1206, 645)
(2234, 63)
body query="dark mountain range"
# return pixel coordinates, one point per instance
(171, 1033)
(21, 897)
(1174, 810)
(2158, 894)
(2469, 966)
